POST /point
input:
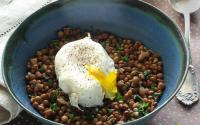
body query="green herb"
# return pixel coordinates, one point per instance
(55, 44)
(54, 95)
(103, 44)
(137, 98)
(90, 117)
(157, 94)
(34, 94)
(54, 41)
(110, 111)
(153, 87)
(54, 107)
(66, 39)
(41, 69)
(96, 109)
(76, 118)
(146, 74)
(119, 97)
(156, 98)
(83, 117)
(125, 58)
(142, 108)
(118, 47)
(50, 82)
(71, 116)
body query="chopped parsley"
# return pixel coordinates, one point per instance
(66, 39)
(153, 87)
(50, 82)
(156, 98)
(125, 58)
(90, 117)
(119, 97)
(157, 94)
(41, 69)
(137, 98)
(103, 44)
(54, 107)
(110, 111)
(118, 47)
(54, 95)
(147, 74)
(71, 116)
(55, 42)
(142, 108)
(96, 109)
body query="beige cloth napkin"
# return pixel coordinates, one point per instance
(12, 13)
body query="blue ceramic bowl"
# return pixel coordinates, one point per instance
(129, 18)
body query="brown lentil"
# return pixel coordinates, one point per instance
(64, 118)
(161, 85)
(140, 77)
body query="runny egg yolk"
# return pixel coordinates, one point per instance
(106, 81)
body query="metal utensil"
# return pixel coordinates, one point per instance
(189, 93)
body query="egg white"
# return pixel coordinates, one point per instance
(72, 75)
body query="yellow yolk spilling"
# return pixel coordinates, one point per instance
(107, 81)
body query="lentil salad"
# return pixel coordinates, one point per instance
(140, 82)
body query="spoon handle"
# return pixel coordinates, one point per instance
(187, 34)
(189, 92)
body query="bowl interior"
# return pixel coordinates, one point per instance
(134, 20)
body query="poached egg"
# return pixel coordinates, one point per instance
(86, 73)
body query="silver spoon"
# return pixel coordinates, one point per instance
(189, 93)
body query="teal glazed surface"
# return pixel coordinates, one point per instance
(129, 19)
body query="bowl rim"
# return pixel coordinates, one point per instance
(158, 11)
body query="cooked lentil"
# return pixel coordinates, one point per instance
(140, 82)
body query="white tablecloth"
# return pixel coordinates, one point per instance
(12, 13)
